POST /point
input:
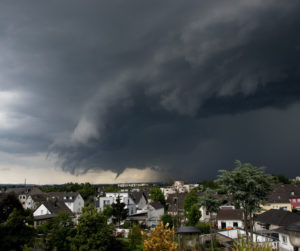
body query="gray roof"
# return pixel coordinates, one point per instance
(136, 196)
(156, 205)
(38, 197)
(281, 193)
(56, 206)
(24, 190)
(188, 230)
(277, 217)
(173, 199)
(230, 214)
(65, 196)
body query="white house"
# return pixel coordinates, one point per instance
(53, 207)
(236, 234)
(72, 200)
(48, 210)
(230, 218)
(111, 198)
(154, 212)
(139, 199)
(274, 219)
(284, 240)
(34, 201)
(24, 192)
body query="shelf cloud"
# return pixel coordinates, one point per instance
(183, 87)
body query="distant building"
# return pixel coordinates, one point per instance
(229, 218)
(283, 196)
(23, 193)
(48, 210)
(178, 187)
(111, 198)
(276, 221)
(73, 200)
(122, 185)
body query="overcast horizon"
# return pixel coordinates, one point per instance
(134, 91)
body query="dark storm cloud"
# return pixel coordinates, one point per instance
(179, 85)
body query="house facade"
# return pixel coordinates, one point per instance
(73, 200)
(284, 240)
(111, 198)
(274, 219)
(229, 218)
(283, 196)
(155, 211)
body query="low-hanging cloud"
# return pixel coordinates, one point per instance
(120, 85)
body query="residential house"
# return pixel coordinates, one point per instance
(228, 218)
(155, 210)
(111, 198)
(48, 210)
(139, 199)
(283, 196)
(276, 220)
(284, 240)
(101, 202)
(236, 234)
(175, 204)
(33, 201)
(73, 200)
(23, 193)
(178, 187)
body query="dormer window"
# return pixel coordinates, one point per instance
(292, 193)
(71, 198)
(65, 197)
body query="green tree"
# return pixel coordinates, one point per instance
(119, 211)
(87, 190)
(16, 232)
(157, 195)
(248, 187)
(135, 237)
(280, 178)
(204, 184)
(58, 232)
(93, 232)
(190, 202)
(168, 219)
(211, 205)
(108, 211)
(7, 205)
(204, 227)
(194, 215)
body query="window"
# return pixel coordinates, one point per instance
(284, 239)
(294, 200)
(207, 213)
(298, 200)
(235, 224)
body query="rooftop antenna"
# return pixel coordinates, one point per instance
(25, 182)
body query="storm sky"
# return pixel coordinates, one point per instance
(115, 91)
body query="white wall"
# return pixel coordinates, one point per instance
(229, 223)
(142, 203)
(41, 210)
(78, 204)
(105, 201)
(204, 217)
(285, 245)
